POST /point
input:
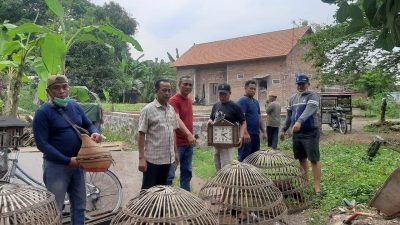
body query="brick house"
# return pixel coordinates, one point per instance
(272, 59)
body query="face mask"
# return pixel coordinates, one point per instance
(61, 102)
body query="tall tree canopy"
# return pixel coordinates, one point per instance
(383, 15)
(28, 10)
(361, 49)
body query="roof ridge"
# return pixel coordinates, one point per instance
(252, 35)
(255, 46)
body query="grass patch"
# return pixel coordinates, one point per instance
(346, 173)
(108, 107)
(203, 162)
(115, 136)
(118, 107)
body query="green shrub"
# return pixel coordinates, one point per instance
(359, 102)
(372, 105)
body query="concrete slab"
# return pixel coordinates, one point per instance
(126, 164)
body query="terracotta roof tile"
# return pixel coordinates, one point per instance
(265, 45)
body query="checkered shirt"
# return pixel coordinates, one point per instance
(159, 126)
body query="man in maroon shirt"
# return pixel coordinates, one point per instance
(185, 139)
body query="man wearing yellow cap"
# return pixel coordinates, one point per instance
(60, 143)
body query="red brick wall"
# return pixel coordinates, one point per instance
(204, 75)
(268, 68)
(279, 68)
(207, 76)
(296, 64)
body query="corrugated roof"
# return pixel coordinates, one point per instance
(265, 45)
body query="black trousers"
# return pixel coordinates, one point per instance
(155, 175)
(272, 137)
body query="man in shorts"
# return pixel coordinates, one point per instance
(302, 117)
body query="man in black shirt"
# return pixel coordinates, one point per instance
(232, 112)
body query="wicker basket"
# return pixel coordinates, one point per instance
(92, 157)
(241, 194)
(27, 205)
(287, 175)
(165, 205)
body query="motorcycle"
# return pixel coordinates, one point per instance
(338, 120)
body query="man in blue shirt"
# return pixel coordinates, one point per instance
(60, 144)
(251, 110)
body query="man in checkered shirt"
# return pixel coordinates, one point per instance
(157, 125)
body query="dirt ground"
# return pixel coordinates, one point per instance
(355, 136)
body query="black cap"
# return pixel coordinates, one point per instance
(224, 88)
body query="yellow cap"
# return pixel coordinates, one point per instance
(273, 94)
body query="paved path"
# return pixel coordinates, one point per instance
(125, 168)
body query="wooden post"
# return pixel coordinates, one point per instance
(383, 111)
(375, 145)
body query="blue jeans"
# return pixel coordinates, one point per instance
(61, 179)
(273, 137)
(249, 148)
(185, 159)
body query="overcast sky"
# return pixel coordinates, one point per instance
(165, 25)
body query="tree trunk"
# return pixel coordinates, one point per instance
(8, 101)
(374, 146)
(16, 91)
(383, 111)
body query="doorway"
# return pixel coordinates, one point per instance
(213, 93)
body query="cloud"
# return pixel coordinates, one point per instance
(166, 25)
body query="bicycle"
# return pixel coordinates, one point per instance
(338, 120)
(103, 190)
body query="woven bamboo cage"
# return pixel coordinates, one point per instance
(27, 205)
(241, 194)
(92, 157)
(165, 205)
(286, 174)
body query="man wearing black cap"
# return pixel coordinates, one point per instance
(60, 144)
(302, 116)
(232, 112)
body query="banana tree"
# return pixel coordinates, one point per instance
(17, 51)
(54, 50)
(19, 43)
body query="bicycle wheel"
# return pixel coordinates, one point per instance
(103, 193)
(342, 126)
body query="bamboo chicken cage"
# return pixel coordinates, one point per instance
(241, 194)
(26, 205)
(286, 174)
(165, 205)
